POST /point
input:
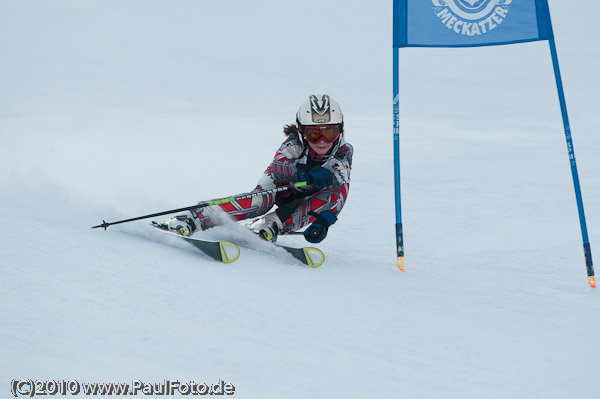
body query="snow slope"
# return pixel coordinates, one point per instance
(111, 109)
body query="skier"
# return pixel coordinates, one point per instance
(315, 152)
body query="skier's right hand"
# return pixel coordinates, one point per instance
(318, 176)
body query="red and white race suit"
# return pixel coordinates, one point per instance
(283, 171)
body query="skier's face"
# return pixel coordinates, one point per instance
(321, 137)
(321, 147)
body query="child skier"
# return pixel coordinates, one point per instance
(315, 152)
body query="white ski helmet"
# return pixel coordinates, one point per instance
(320, 109)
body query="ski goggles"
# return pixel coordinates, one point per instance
(314, 134)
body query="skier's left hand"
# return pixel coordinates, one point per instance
(317, 231)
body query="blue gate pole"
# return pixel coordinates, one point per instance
(399, 234)
(563, 108)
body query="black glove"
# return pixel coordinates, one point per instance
(318, 176)
(317, 231)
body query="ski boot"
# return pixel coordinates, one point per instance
(180, 224)
(267, 226)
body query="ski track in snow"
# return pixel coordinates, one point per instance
(104, 125)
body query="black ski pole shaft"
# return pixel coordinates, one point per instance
(205, 204)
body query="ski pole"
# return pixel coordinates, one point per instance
(208, 203)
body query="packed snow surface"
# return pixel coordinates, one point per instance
(114, 109)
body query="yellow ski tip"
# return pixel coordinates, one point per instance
(224, 256)
(313, 262)
(400, 264)
(592, 281)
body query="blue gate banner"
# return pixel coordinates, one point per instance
(470, 23)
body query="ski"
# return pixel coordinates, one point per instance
(310, 256)
(215, 249)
